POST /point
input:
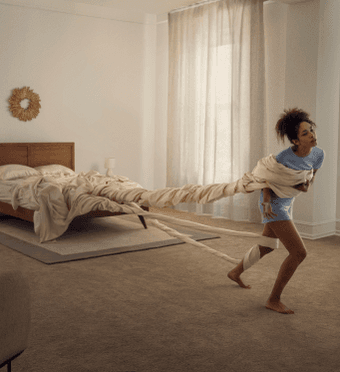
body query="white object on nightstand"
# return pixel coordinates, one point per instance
(110, 163)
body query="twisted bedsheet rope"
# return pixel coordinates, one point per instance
(61, 202)
(154, 217)
(187, 239)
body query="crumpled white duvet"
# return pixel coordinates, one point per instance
(57, 201)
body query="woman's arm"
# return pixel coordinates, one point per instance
(267, 207)
(266, 195)
(305, 186)
(314, 172)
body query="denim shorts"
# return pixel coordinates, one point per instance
(283, 207)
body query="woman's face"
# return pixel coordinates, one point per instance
(306, 136)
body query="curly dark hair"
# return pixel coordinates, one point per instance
(289, 123)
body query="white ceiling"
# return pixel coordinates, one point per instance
(157, 7)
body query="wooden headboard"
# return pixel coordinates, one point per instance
(35, 154)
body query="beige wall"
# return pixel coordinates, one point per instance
(92, 71)
(102, 77)
(327, 205)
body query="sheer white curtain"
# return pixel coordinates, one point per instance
(216, 100)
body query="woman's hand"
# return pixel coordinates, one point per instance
(303, 186)
(267, 211)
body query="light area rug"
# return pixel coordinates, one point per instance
(88, 238)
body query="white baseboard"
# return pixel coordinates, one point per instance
(337, 228)
(313, 231)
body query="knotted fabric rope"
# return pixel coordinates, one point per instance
(60, 202)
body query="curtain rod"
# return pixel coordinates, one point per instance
(200, 3)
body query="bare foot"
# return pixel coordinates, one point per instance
(279, 307)
(236, 278)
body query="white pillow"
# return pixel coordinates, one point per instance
(55, 169)
(14, 171)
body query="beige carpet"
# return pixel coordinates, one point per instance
(175, 310)
(88, 237)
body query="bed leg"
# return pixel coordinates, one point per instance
(142, 221)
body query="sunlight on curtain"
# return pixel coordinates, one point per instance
(216, 100)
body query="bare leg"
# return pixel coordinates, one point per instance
(238, 270)
(289, 236)
(235, 273)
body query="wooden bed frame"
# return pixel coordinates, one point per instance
(36, 154)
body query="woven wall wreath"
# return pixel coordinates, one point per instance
(31, 111)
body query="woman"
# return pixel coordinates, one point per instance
(277, 212)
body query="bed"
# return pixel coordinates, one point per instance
(36, 154)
